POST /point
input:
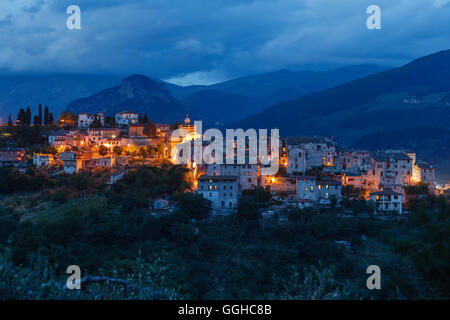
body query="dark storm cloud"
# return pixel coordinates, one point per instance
(211, 40)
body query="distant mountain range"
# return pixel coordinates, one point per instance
(22, 90)
(219, 103)
(136, 93)
(413, 94)
(238, 98)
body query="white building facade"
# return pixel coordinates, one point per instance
(222, 191)
(125, 118)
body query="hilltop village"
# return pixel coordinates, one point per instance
(314, 172)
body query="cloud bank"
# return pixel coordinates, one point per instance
(205, 41)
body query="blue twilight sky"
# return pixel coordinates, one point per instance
(206, 41)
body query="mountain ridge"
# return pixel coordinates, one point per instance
(320, 110)
(138, 93)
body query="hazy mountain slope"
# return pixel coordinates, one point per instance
(281, 85)
(136, 93)
(383, 101)
(285, 85)
(56, 91)
(220, 107)
(251, 94)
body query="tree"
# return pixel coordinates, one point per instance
(110, 121)
(161, 149)
(117, 150)
(28, 116)
(36, 120)
(142, 151)
(96, 123)
(49, 150)
(22, 117)
(10, 122)
(194, 205)
(46, 116)
(317, 283)
(149, 129)
(145, 119)
(103, 150)
(151, 151)
(51, 121)
(68, 118)
(259, 194)
(40, 115)
(248, 209)
(174, 126)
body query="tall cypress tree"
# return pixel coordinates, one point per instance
(51, 121)
(40, 115)
(28, 116)
(10, 123)
(22, 117)
(36, 120)
(46, 123)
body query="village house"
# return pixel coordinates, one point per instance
(136, 130)
(426, 173)
(222, 191)
(307, 153)
(348, 162)
(86, 119)
(279, 183)
(296, 161)
(104, 136)
(160, 204)
(97, 134)
(116, 175)
(387, 200)
(57, 138)
(319, 154)
(102, 162)
(121, 161)
(394, 169)
(162, 129)
(247, 173)
(43, 160)
(125, 118)
(13, 157)
(311, 190)
(73, 161)
(71, 138)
